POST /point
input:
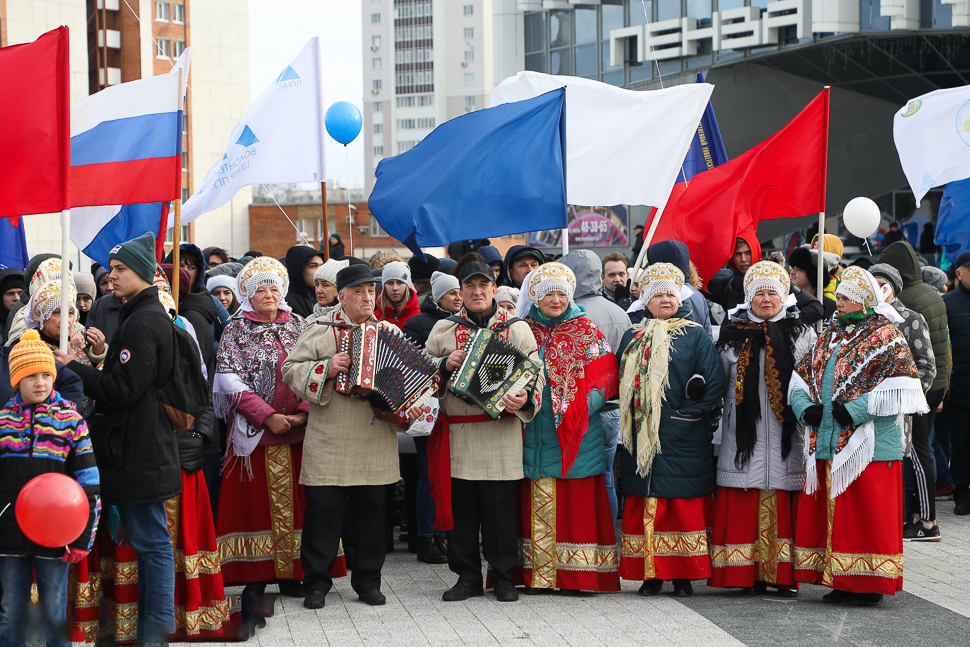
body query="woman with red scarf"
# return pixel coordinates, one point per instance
(566, 526)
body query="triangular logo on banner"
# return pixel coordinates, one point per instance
(247, 138)
(289, 74)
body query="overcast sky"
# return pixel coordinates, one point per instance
(278, 29)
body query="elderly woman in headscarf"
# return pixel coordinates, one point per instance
(761, 470)
(670, 380)
(261, 502)
(567, 539)
(851, 391)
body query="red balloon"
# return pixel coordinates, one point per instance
(52, 510)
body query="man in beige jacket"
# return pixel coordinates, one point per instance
(346, 450)
(486, 455)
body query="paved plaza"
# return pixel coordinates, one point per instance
(933, 610)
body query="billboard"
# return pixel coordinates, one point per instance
(588, 227)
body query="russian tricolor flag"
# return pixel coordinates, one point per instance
(126, 151)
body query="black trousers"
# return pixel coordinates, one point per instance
(960, 453)
(321, 535)
(487, 507)
(922, 457)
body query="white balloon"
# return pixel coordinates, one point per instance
(861, 217)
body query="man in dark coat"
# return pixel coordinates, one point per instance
(133, 440)
(519, 261)
(11, 287)
(301, 262)
(957, 303)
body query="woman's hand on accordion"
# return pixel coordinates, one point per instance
(515, 402)
(456, 359)
(339, 363)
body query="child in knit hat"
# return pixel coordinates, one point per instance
(40, 433)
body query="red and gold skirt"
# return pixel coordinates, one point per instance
(566, 536)
(260, 523)
(665, 539)
(107, 581)
(855, 541)
(753, 538)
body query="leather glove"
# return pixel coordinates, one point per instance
(73, 555)
(842, 415)
(623, 291)
(696, 388)
(813, 415)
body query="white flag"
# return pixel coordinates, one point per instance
(622, 146)
(932, 135)
(279, 140)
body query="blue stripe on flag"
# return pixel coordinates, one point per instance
(132, 221)
(128, 139)
(13, 245)
(953, 219)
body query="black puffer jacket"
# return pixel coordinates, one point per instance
(925, 300)
(133, 440)
(958, 315)
(200, 311)
(419, 326)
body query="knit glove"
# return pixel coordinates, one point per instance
(73, 555)
(812, 416)
(696, 388)
(841, 414)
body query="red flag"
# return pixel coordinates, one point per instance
(782, 177)
(36, 135)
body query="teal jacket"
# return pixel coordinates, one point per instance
(889, 435)
(541, 453)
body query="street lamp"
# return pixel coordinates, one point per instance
(363, 240)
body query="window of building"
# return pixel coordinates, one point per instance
(375, 228)
(535, 31)
(378, 151)
(378, 129)
(469, 9)
(375, 41)
(403, 147)
(183, 236)
(560, 30)
(378, 106)
(376, 84)
(305, 229)
(375, 18)
(415, 10)
(405, 124)
(185, 161)
(469, 32)
(412, 33)
(375, 63)
(185, 194)
(426, 100)
(178, 13)
(161, 12)
(469, 55)
(163, 48)
(585, 22)
(419, 100)
(178, 46)
(670, 9)
(470, 78)
(469, 103)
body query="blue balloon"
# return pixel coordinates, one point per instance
(343, 122)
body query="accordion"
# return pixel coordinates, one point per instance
(386, 369)
(492, 368)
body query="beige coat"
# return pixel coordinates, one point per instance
(486, 451)
(345, 444)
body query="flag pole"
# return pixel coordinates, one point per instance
(177, 234)
(65, 277)
(819, 289)
(325, 242)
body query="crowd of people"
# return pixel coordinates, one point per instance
(760, 431)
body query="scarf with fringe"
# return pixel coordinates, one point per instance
(248, 355)
(644, 378)
(873, 358)
(578, 360)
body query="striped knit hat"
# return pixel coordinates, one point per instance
(28, 356)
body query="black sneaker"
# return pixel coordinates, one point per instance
(917, 532)
(962, 508)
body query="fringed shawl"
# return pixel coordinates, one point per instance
(644, 378)
(578, 360)
(872, 358)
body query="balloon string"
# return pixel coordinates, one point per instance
(4, 509)
(867, 247)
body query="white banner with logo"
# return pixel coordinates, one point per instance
(932, 135)
(279, 140)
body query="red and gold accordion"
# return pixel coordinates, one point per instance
(386, 369)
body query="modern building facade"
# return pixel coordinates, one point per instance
(116, 41)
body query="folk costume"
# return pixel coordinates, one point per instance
(475, 462)
(566, 535)
(848, 534)
(261, 502)
(349, 454)
(761, 471)
(670, 380)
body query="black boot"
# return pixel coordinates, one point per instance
(442, 544)
(428, 552)
(252, 606)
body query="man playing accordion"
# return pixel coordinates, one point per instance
(475, 460)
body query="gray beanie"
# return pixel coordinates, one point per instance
(397, 271)
(932, 276)
(84, 282)
(506, 294)
(139, 255)
(223, 281)
(328, 271)
(442, 284)
(889, 274)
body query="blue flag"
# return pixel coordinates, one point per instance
(95, 230)
(13, 244)
(707, 148)
(953, 219)
(494, 172)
